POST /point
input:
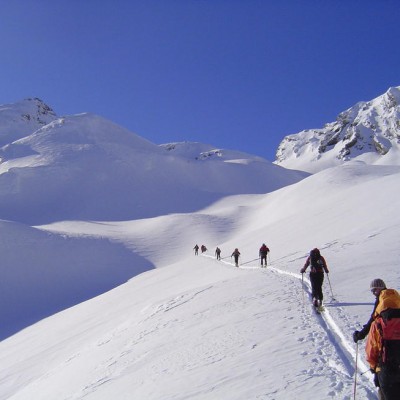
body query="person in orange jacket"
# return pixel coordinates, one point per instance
(383, 363)
(377, 285)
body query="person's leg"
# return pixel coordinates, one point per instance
(320, 283)
(389, 385)
(313, 281)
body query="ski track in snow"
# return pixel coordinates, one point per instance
(327, 349)
(136, 347)
(331, 347)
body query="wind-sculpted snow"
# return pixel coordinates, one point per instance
(84, 167)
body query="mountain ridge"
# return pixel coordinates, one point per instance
(368, 131)
(89, 167)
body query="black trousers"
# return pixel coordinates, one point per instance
(389, 381)
(263, 257)
(317, 279)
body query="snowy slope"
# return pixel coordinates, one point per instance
(43, 273)
(368, 131)
(149, 320)
(202, 329)
(85, 167)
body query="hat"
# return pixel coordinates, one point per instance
(378, 284)
(315, 252)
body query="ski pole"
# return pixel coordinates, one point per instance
(355, 373)
(302, 286)
(333, 297)
(249, 261)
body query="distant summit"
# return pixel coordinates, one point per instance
(368, 131)
(202, 152)
(86, 167)
(22, 118)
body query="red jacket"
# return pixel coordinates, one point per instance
(321, 261)
(263, 250)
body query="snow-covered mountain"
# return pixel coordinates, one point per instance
(20, 119)
(96, 307)
(193, 327)
(86, 167)
(368, 131)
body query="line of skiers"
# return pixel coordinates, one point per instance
(262, 253)
(383, 328)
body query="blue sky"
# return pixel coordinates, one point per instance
(239, 74)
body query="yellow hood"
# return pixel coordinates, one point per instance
(388, 298)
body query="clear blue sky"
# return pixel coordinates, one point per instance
(239, 74)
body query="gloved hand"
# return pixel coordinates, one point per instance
(302, 271)
(376, 380)
(357, 336)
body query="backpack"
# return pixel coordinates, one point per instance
(315, 260)
(388, 324)
(264, 249)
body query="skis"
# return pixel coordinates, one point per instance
(319, 309)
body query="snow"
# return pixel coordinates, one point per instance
(106, 307)
(82, 159)
(366, 131)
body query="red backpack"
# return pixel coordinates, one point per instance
(388, 324)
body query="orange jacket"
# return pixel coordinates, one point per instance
(389, 298)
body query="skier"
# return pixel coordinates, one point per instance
(264, 250)
(383, 342)
(196, 250)
(236, 254)
(218, 253)
(318, 266)
(203, 248)
(376, 287)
